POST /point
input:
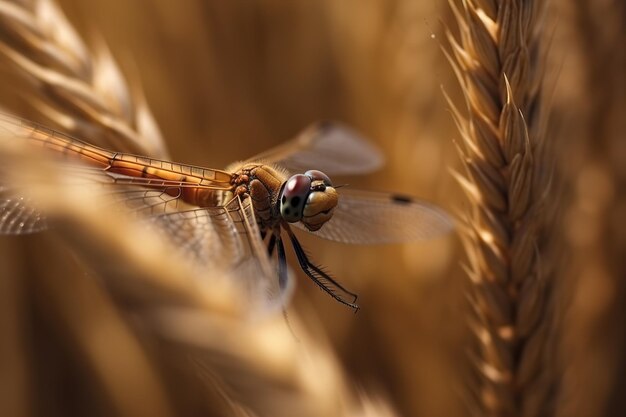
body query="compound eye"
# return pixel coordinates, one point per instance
(316, 175)
(294, 197)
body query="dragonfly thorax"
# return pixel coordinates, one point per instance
(309, 198)
(260, 182)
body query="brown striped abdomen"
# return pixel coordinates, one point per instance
(196, 185)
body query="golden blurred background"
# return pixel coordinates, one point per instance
(228, 79)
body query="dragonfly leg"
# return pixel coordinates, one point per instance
(271, 245)
(321, 278)
(283, 277)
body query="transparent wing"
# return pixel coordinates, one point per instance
(142, 196)
(224, 235)
(229, 236)
(329, 147)
(363, 217)
(146, 185)
(18, 215)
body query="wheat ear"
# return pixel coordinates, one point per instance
(497, 62)
(81, 92)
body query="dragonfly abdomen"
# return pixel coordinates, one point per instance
(174, 183)
(79, 151)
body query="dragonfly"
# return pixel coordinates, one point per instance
(247, 212)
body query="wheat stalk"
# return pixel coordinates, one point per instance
(81, 92)
(498, 64)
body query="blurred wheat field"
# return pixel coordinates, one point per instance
(226, 80)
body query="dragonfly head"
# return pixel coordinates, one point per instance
(309, 198)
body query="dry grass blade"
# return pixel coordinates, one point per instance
(81, 92)
(497, 62)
